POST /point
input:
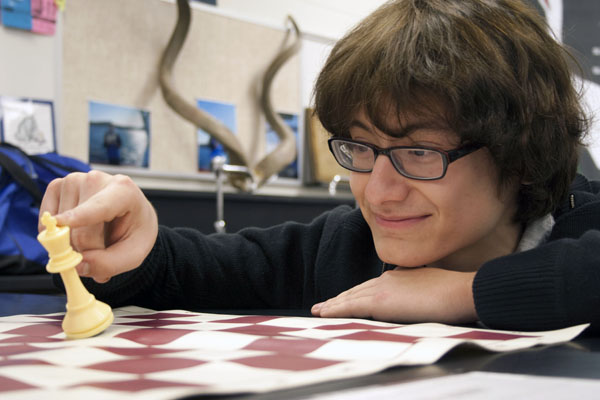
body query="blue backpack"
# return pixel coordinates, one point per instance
(23, 180)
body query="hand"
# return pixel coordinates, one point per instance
(407, 295)
(112, 223)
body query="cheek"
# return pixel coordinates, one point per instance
(463, 214)
(475, 206)
(358, 182)
(473, 183)
(469, 202)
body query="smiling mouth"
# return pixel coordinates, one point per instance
(399, 222)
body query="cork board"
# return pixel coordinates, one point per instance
(111, 53)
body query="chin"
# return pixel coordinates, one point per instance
(402, 253)
(394, 254)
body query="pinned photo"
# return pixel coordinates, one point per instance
(292, 170)
(119, 135)
(28, 124)
(208, 147)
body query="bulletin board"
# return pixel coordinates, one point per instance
(111, 53)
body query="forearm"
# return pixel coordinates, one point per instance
(553, 286)
(181, 271)
(255, 268)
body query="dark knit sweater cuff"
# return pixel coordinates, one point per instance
(520, 294)
(125, 288)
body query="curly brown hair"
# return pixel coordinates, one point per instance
(505, 83)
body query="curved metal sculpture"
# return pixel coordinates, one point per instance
(272, 162)
(285, 152)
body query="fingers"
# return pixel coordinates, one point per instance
(359, 307)
(50, 201)
(125, 255)
(102, 200)
(88, 237)
(64, 194)
(84, 199)
(112, 223)
(386, 298)
(407, 296)
(356, 302)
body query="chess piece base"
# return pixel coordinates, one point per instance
(87, 321)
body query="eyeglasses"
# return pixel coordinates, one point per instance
(422, 163)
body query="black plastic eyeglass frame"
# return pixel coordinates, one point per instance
(448, 157)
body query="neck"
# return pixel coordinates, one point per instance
(503, 241)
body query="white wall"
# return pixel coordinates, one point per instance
(326, 18)
(29, 63)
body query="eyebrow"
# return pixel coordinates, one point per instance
(405, 130)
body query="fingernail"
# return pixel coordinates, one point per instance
(83, 269)
(65, 217)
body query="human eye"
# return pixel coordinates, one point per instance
(422, 155)
(355, 150)
(417, 152)
(359, 149)
(362, 156)
(416, 158)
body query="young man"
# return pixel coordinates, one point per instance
(460, 124)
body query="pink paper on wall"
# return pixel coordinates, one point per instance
(43, 13)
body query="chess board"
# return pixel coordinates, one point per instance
(147, 354)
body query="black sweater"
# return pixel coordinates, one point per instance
(293, 266)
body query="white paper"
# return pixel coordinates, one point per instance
(476, 386)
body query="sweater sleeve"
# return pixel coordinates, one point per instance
(253, 268)
(552, 286)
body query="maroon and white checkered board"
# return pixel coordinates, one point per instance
(150, 354)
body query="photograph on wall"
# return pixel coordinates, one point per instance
(28, 124)
(208, 147)
(119, 135)
(292, 170)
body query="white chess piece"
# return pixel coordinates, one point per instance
(85, 315)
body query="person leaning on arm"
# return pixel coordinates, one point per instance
(460, 126)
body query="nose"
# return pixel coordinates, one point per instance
(385, 183)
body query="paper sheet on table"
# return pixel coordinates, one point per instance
(475, 386)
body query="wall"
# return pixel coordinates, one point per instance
(222, 60)
(109, 50)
